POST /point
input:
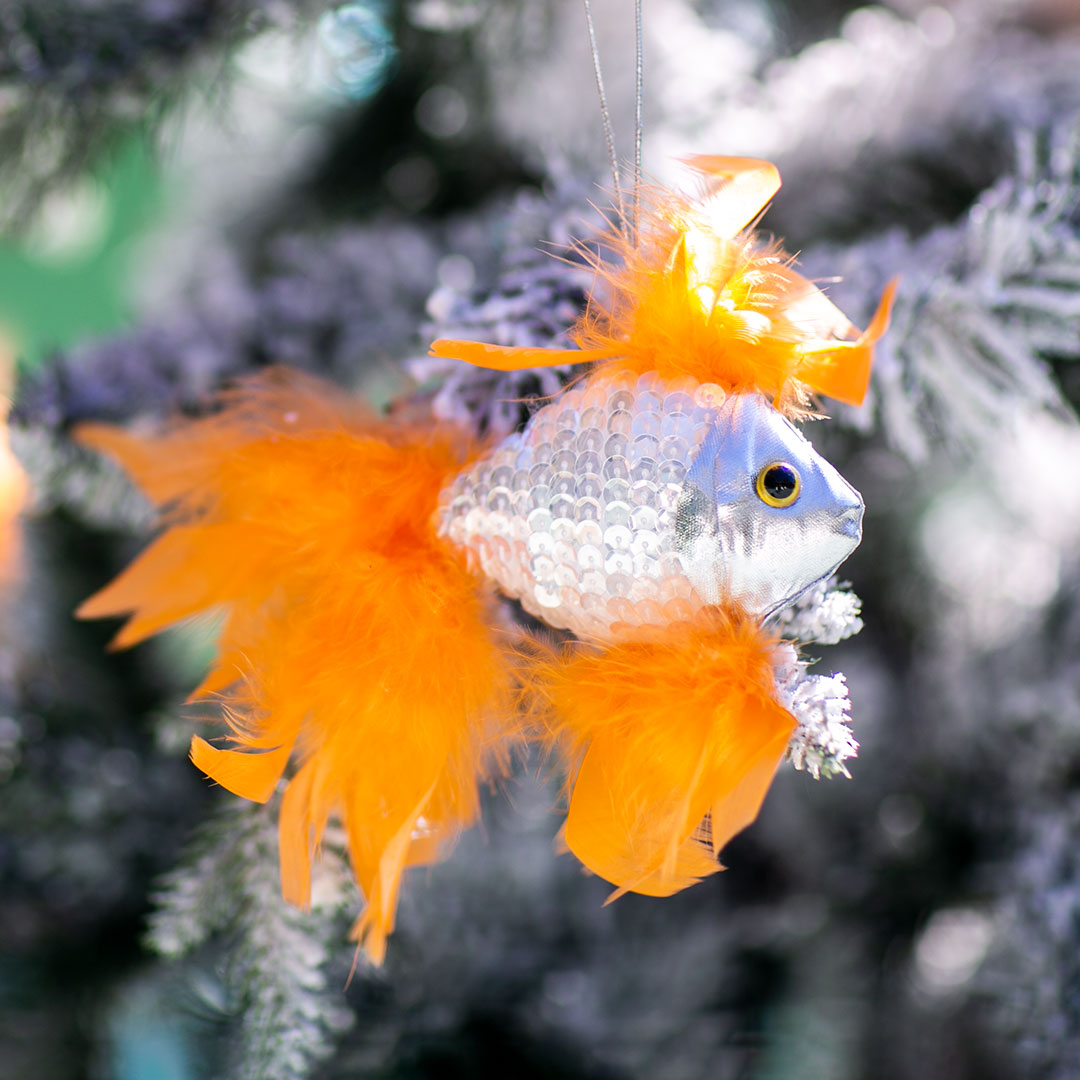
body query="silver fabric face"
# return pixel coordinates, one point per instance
(732, 542)
(634, 502)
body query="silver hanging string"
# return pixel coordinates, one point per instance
(639, 94)
(605, 116)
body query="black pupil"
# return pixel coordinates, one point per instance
(780, 482)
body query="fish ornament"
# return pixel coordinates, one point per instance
(660, 509)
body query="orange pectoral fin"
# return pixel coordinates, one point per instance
(678, 736)
(511, 357)
(738, 807)
(636, 845)
(841, 369)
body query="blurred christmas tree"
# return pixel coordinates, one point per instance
(198, 188)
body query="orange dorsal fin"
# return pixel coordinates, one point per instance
(740, 190)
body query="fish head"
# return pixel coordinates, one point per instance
(762, 515)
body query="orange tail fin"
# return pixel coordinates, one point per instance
(675, 740)
(354, 640)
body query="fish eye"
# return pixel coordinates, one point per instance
(778, 484)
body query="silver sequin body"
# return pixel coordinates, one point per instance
(631, 502)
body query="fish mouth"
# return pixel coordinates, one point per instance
(849, 523)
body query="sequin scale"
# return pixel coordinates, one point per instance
(575, 516)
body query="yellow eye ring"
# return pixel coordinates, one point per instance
(778, 484)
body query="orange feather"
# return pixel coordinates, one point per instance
(355, 642)
(674, 739)
(508, 357)
(697, 294)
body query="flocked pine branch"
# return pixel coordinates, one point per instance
(289, 1009)
(822, 741)
(921, 111)
(535, 297)
(983, 305)
(826, 613)
(908, 112)
(88, 486)
(83, 71)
